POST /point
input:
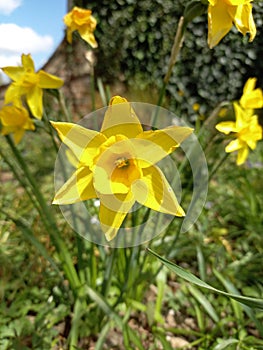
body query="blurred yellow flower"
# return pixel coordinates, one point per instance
(15, 120)
(223, 13)
(81, 20)
(28, 83)
(247, 131)
(196, 107)
(251, 98)
(117, 165)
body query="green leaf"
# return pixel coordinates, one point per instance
(188, 276)
(225, 344)
(204, 302)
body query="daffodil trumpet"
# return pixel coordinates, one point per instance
(82, 21)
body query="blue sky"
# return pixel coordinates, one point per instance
(30, 26)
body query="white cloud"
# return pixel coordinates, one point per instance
(8, 6)
(15, 39)
(12, 60)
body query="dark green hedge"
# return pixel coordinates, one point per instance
(135, 40)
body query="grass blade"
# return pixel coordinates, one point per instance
(188, 276)
(204, 302)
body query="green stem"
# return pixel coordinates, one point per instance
(178, 42)
(49, 221)
(91, 270)
(63, 106)
(218, 165)
(92, 88)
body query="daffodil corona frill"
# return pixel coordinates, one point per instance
(28, 83)
(81, 20)
(247, 132)
(223, 13)
(15, 120)
(117, 165)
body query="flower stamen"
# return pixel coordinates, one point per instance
(122, 162)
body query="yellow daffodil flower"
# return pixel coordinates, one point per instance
(81, 20)
(251, 98)
(118, 165)
(223, 13)
(246, 129)
(15, 120)
(28, 83)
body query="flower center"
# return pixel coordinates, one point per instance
(122, 162)
(30, 79)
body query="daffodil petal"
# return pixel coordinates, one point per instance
(226, 127)
(15, 120)
(253, 132)
(120, 118)
(154, 191)
(252, 144)
(78, 138)
(14, 92)
(242, 155)
(88, 37)
(49, 81)
(243, 19)
(234, 146)
(152, 146)
(13, 116)
(219, 23)
(79, 187)
(113, 209)
(71, 158)
(243, 117)
(67, 19)
(120, 202)
(5, 130)
(249, 85)
(27, 62)
(147, 153)
(14, 73)
(235, 2)
(34, 99)
(18, 135)
(252, 99)
(69, 35)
